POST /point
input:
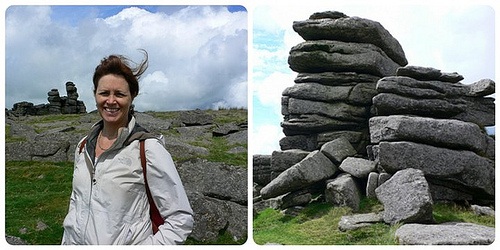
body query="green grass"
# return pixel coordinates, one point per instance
(218, 152)
(443, 212)
(317, 225)
(37, 192)
(54, 118)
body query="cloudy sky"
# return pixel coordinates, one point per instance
(197, 54)
(450, 37)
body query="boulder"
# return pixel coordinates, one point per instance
(337, 150)
(343, 191)
(282, 160)
(213, 216)
(314, 168)
(351, 29)
(480, 111)
(297, 141)
(358, 167)
(261, 169)
(326, 56)
(446, 133)
(457, 169)
(406, 198)
(195, 118)
(372, 184)
(215, 180)
(450, 233)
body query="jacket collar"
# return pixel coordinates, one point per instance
(123, 134)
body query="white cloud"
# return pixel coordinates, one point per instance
(270, 89)
(197, 54)
(265, 139)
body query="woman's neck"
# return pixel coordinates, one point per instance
(110, 131)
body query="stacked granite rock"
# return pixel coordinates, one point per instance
(71, 104)
(426, 130)
(428, 120)
(54, 101)
(338, 64)
(326, 112)
(57, 105)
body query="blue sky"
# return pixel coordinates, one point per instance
(450, 37)
(197, 54)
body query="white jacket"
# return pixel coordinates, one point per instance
(109, 205)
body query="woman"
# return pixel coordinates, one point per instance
(109, 204)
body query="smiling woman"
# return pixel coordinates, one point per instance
(113, 195)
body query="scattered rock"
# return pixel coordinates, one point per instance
(40, 226)
(355, 221)
(343, 191)
(452, 233)
(406, 198)
(481, 210)
(13, 240)
(358, 167)
(315, 167)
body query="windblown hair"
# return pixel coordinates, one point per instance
(122, 66)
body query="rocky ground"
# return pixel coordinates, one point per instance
(208, 147)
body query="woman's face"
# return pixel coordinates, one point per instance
(113, 100)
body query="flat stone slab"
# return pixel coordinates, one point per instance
(355, 221)
(327, 55)
(451, 233)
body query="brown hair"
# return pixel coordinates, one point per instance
(121, 66)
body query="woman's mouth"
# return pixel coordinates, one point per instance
(111, 110)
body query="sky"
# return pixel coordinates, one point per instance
(201, 56)
(197, 54)
(449, 37)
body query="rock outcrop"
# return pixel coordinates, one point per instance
(408, 136)
(338, 65)
(57, 104)
(436, 124)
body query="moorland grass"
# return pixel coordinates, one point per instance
(317, 225)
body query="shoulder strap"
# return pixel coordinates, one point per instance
(82, 145)
(155, 215)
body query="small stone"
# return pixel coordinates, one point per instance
(40, 226)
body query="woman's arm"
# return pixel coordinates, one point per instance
(168, 194)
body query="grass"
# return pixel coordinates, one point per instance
(218, 152)
(317, 225)
(37, 192)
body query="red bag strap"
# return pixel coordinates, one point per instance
(82, 145)
(155, 215)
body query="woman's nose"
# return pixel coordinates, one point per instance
(111, 99)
